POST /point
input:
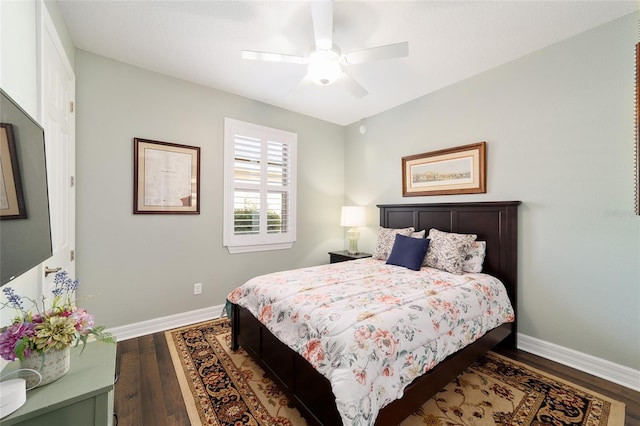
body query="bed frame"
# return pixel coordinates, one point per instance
(493, 222)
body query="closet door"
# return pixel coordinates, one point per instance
(58, 120)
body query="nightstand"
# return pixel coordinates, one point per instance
(343, 256)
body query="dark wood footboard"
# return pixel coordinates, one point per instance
(311, 392)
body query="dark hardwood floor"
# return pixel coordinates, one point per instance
(629, 397)
(147, 391)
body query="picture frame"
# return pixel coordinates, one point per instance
(166, 178)
(12, 205)
(459, 170)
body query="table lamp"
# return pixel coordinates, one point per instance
(353, 216)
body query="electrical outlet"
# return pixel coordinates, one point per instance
(197, 288)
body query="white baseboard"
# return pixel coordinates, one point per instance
(598, 367)
(165, 323)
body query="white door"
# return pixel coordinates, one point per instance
(58, 120)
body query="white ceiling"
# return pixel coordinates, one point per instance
(201, 41)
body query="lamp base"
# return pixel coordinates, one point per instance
(353, 235)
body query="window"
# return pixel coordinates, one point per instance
(259, 187)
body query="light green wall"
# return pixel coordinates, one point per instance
(142, 267)
(559, 130)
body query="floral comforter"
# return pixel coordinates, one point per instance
(372, 328)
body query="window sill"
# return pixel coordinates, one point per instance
(259, 247)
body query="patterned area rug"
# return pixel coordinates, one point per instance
(221, 387)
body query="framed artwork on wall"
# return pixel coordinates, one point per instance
(166, 178)
(459, 170)
(12, 204)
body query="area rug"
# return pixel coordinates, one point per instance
(221, 387)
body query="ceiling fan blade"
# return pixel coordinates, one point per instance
(389, 51)
(322, 16)
(353, 86)
(304, 82)
(272, 57)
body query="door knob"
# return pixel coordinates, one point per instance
(48, 270)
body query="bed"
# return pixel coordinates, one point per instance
(311, 391)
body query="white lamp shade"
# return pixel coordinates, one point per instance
(353, 216)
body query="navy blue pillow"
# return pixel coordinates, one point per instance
(408, 252)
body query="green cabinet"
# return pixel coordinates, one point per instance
(83, 396)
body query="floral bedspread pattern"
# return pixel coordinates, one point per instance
(372, 328)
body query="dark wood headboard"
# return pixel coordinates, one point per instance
(495, 222)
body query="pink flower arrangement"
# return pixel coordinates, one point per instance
(55, 328)
(12, 337)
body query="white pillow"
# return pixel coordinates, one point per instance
(419, 234)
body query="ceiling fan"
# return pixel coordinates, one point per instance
(325, 62)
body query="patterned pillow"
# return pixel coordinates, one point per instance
(448, 250)
(475, 257)
(386, 238)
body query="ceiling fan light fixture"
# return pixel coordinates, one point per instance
(324, 66)
(325, 61)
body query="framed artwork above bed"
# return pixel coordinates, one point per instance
(459, 170)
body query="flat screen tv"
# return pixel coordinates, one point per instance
(25, 229)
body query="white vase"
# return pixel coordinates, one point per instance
(51, 365)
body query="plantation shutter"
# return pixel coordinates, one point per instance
(259, 187)
(247, 182)
(278, 188)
